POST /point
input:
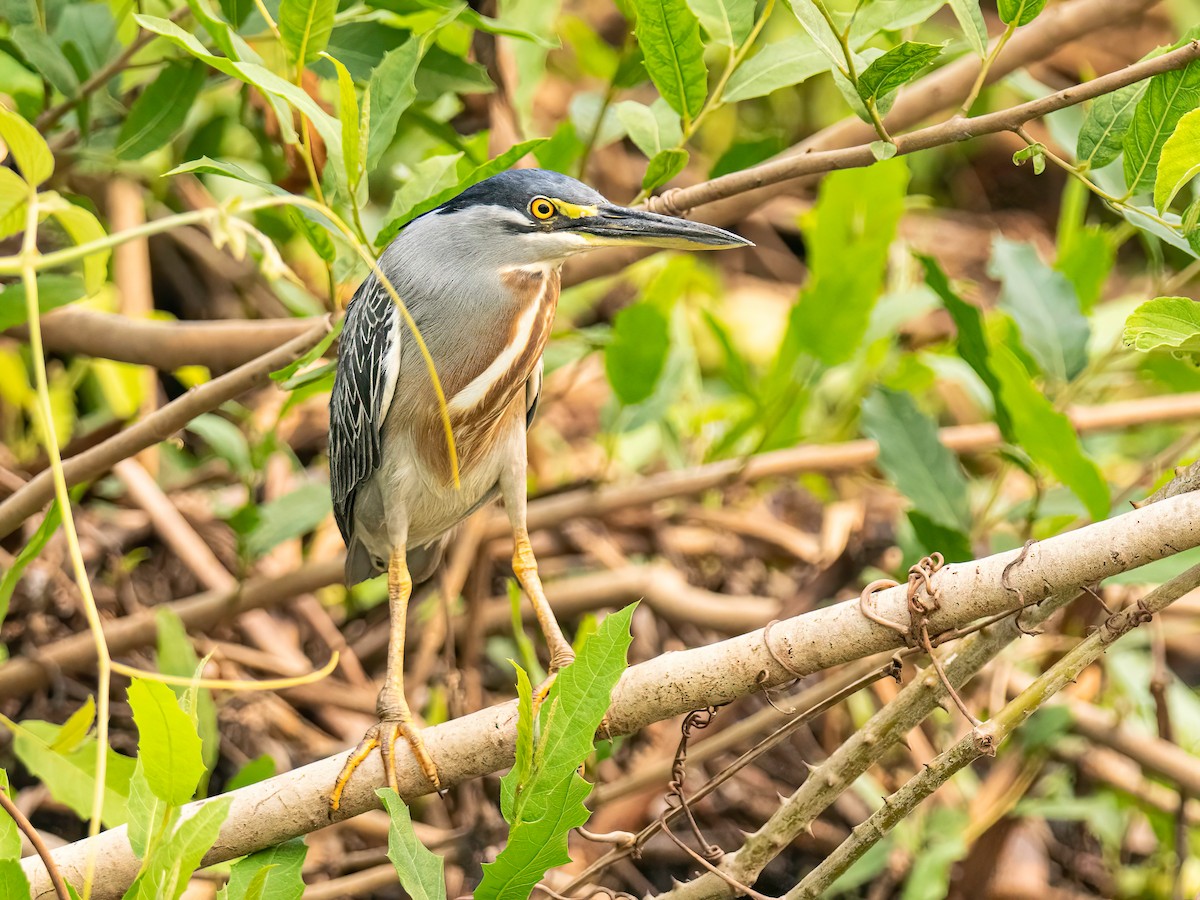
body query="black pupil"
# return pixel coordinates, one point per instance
(542, 208)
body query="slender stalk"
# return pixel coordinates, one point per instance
(981, 78)
(14, 813)
(29, 253)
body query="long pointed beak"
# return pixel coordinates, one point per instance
(619, 225)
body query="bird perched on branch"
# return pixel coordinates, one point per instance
(412, 455)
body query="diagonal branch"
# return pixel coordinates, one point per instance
(296, 803)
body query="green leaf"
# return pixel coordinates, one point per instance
(915, 460)
(13, 883)
(663, 167)
(669, 34)
(271, 874)
(169, 748)
(1019, 12)
(10, 835)
(392, 89)
(1165, 323)
(726, 22)
(848, 235)
(27, 147)
(30, 552)
(782, 64)
(548, 803)
(652, 128)
(895, 68)
(287, 517)
(1086, 256)
(258, 769)
(236, 11)
(970, 19)
(14, 203)
(1180, 160)
(818, 29)
(76, 728)
(953, 544)
(971, 343)
(305, 26)
(47, 58)
(1046, 434)
(1105, 123)
(175, 656)
(1167, 98)
(523, 764)
(150, 817)
(422, 872)
(174, 860)
(429, 177)
(1044, 306)
(83, 228)
(71, 776)
(487, 170)
(351, 127)
(635, 357)
(160, 110)
(226, 441)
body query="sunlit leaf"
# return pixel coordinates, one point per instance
(271, 874)
(652, 128)
(1165, 323)
(1167, 97)
(1180, 160)
(175, 656)
(782, 64)
(169, 748)
(305, 26)
(1019, 12)
(76, 728)
(663, 167)
(13, 883)
(1086, 256)
(175, 859)
(84, 228)
(351, 124)
(422, 872)
(669, 34)
(1104, 126)
(895, 68)
(725, 22)
(970, 19)
(27, 147)
(635, 357)
(392, 91)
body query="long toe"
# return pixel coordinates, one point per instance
(370, 741)
(413, 735)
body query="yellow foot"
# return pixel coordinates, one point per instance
(383, 735)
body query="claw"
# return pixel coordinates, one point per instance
(383, 735)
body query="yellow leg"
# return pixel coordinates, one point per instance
(525, 568)
(395, 718)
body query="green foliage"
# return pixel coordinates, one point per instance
(165, 873)
(1108, 118)
(848, 237)
(778, 65)
(1165, 323)
(1180, 160)
(635, 356)
(13, 883)
(669, 34)
(544, 786)
(305, 26)
(1044, 306)
(27, 147)
(652, 128)
(1019, 12)
(1167, 98)
(894, 69)
(916, 461)
(169, 754)
(663, 167)
(725, 22)
(271, 874)
(30, 552)
(970, 19)
(161, 109)
(286, 517)
(176, 657)
(422, 873)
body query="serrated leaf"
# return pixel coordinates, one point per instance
(13, 883)
(174, 860)
(847, 235)
(668, 33)
(726, 22)
(663, 167)
(175, 656)
(1167, 98)
(895, 69)
(971, 342)
(1104, 126)
(287, 517)
(1180, 160)
(915, 460)
(1165, 323)
(392, 90)
(523, 760)
(970, 20)
(1044, 305)
(1019, 12)
(351, 124)
(782, 64)
(1046, 434)
(150, 817)
(160, 110)
(27, 147)
(652, 128)
(70, 776)
(271, 874)
(305, 26)
(169, 749)
(635, 357)
(487, 170)
(76, 728)
(549, 803)
(422, 872)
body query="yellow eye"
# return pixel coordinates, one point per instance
(541, 208)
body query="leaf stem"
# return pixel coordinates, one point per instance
(984, 68)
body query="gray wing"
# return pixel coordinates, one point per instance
(363, 385)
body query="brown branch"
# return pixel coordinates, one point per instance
(469, 747)
(549, 511)
(219, 345)
(157, 427)
(55, 876)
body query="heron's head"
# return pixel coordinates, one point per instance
(534, 215)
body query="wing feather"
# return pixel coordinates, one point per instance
(367, 366)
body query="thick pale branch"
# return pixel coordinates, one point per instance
(297, 802)
(219, 345)
(156, 427)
